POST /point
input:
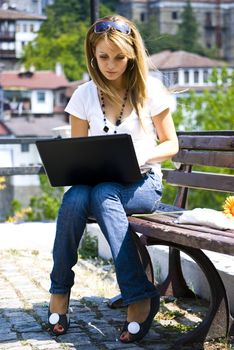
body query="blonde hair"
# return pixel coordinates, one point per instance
(137, 69)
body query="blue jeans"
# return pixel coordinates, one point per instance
(109, 203)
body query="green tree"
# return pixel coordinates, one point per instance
(45, 206)
(61, 38)
(154, 41)
(111, 4)
(188, 31)
(66, 48)
(213, 109)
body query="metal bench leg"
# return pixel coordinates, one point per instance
(218, 321)
(117, 302)
(175, 284)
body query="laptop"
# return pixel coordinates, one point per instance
(89, 160)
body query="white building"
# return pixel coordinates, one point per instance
(17, 29)
(184, 70)
(31, 6)
(34, 93)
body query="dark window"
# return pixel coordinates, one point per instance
(208, 19)
(175, 78)
(142, 16)
(41, 96)
(186, 76)
(174, 15)
(196, 76)
(205, 76)
(24, 147)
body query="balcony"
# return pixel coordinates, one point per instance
(7, 35)
(7, 53)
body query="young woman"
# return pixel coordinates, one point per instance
(120, 98)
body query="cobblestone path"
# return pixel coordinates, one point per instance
(24, 283)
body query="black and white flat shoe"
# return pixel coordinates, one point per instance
(136, 330)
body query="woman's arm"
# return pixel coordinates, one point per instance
(79, 127)
(168, 141)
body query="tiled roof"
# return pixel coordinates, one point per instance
(4, 130)
(36, 80)
(14, 15)
(72, 86)
(23, 126)
(181, 59)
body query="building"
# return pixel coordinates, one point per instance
(42, 96)
(184, 70)
(215, 19)
(17, 29)
(30, 6)
(33, 93)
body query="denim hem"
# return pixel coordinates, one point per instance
(148, 295)
(59, 291)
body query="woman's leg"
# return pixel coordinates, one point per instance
(110, 204)
(71, 222)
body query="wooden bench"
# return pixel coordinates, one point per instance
(214, 149)
(196, 149)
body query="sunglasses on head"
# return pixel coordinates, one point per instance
(101, 27)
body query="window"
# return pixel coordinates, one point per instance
(40, 96)
(196, 76)
(186, 76)
(175, 78)
(208, 19)
(24, 147)
(174, 15)
(62, 98)
(31, 28)
(142, 17)
(205, 76)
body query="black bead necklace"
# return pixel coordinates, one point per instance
(118, 121)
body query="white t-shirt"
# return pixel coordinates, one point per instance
(85, 105)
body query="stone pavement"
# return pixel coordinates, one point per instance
(24, 283)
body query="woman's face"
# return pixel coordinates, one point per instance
(111, 60)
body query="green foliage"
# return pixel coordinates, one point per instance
(169, 192)
(15, 206)
(89, 246)
(188, 30)
(61, 38)
(213, 109)
(66, 48)
(45, 207)
(154, 41)
(111, 4)
(206, 199)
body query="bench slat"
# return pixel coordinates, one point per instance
(183, 236)
(20, 140)
(23, 170)
(207, 181)
(222, 143)
(217, 159)
(167, 219)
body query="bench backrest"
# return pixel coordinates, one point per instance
(213, 149)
